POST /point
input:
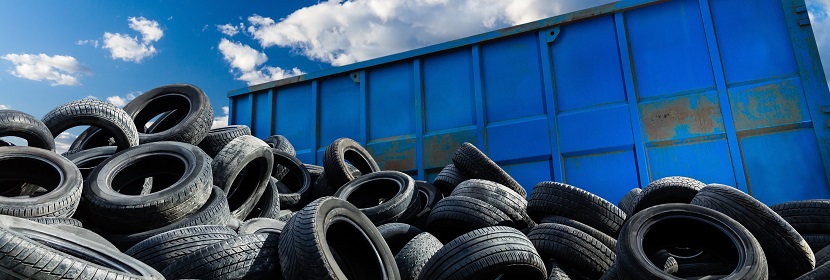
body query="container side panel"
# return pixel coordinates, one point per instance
(668, 48)
(609, 175)
(586, 65)
(439, 148)
(391, 101)
(394, 154)
(512, 78)
(524, 140)
(339, 109)
(754, 40)
(262, 110)
(707, 161)
(784, 166)
(293, 117)
(682, 117)
(768, 104)
(242, 110)
(448, 90)
(529, 174)
(594, 130)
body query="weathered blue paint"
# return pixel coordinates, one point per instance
(607, 99)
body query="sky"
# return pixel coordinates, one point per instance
(53, 52)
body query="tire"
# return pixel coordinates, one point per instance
(486, 253)
(19, 124)
(817, 241)
(193, 114)
(557, 271)
(261, 225)
(414, 255)
(603, 238)
(250, 256)
(30, 165)
(85, 233)
(315, 171)
(57, 221)
(448, 178)
(692, 226)
(822, 255)
(572, 248)
(558, 199)
(457, 215)
(217, 138)
(338, 240)
(786, 251)
(337, 156)
(397, 235)
(674, 189)
(806, 216)
(820, 273)
(280, 143)
(428, 196)
(506, 200)
(164, 249)
(243, 169)
(296, 183)
(383, 196)
(474, 164)
(95, 113)
(35, 251)
(627, 201)
(87, 160)
(117, 200)
(287, 216)
(214, 212)
(268, 205)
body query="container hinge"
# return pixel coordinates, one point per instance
(802, 15)
(355, 76)
(551, 34)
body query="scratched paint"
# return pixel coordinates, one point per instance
(767, 105)
(396, 155)
(438, 149)
(682, 117)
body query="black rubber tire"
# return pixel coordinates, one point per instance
(95, 113)
(474, 164)
(503, 198)
(217, 138)
(414, 255)
(612, 273)
(314, 170)
(822, 255)
(268, 205)
(214, 212)
(115, 196)
(786, 251)
(295, 187)
(190, 122)
(603, 238)
(557, 271)
(428, 196)
(806, 216)
(627, 201)
(35, 251)
(558, 199)
(821, 272)
(31, 165)
(281, 143)
(249, 256)
(457, 215)
(261, 225)
(85, 233)
(337, 240)
(448, 178)
(486, 253)
(397, 235)
(87, 160)
(243, 169)
(676, 224)
(19, 124)
(164, 249)
(674, 189)
(817, 241)
(383, 196)
(573, 248)
(286, 216)
(58, 221)
(339, 154)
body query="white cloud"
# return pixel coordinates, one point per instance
(229, 29)
(61, 70)
(343, 32)
(221, 121)
(245, 61)
(63, 141)
(93, 43)
(124, 47)
(120, 101)
(819, 12)
(5, 107)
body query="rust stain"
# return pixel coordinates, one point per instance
(438, 149)
(767, 105)
(398, 155)
(686, 116)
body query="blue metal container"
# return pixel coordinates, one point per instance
(606, 99)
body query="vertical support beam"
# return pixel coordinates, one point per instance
(478, 89)
(723, 97)
(315, 120)
(417, 90)
(252, 111)
(272, 113)
(548, 80)
(231, 106)
(364, 104)
(643, 172)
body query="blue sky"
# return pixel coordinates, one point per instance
(53, 52)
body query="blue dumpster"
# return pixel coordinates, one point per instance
(606, 99)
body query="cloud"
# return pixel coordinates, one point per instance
(343, 32)
(221, 121)
(93, 43)
(124, 47)
(121, 101)
(819, 12)
(245, 62)
(63, 141)
(61, 70)
(229, 29)
(5, 107)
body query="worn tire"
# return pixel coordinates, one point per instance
(414, 255)
(558, 199)
(339, 154)
(57, 221)
(786, 251)
(821, 272)
(243, 169)
(268, 205)
(448, 178)
(163, 249)
(396, 235)
(261, 225)
(337, 240)
(503, 198)
(474, 164)
(192, 120)
(806, 216)
(383, 196)
(674, 189)
(95, 113)
(486, 253)
(603, 238)
(19, 124)
(457, 215)
(573, 248)
(217, 138)
(43, 168)
(250, 256)
(281, 143)
(626, 203)
(296, 182)
(428, 196)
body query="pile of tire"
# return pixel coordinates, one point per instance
(151, 192)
